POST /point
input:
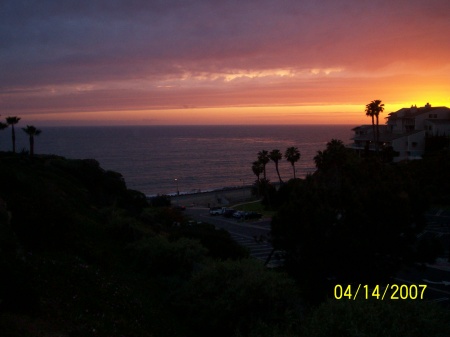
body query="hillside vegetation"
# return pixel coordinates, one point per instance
(82, 255)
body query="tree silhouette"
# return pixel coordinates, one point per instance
(373, 109)
(3, 126)
(339, 224)
(275, 156)
(370, 113)
(263, 158)
(378, 108)
(292, 155)
(31, 131)
(13, 121)
(257, 168)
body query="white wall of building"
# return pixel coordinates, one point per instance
(409, 147)
(436, 114)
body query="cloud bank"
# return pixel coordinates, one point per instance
(103, 55)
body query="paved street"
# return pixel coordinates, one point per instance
(255, 236)
(436, 277)
(252, 234)
(438, 225)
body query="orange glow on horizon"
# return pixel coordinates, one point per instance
(351, 114)
(329, 101)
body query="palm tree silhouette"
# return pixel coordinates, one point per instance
(275, 156)
(31, 131)
(369, 112)
(378, 108)
(13, 121)
(3, 126)
(374, 109)
(292, 155)
(257, 168)
(263, 158)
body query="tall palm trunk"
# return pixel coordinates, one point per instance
(378, 135)
(374, 130)
(278, 172)
(373, 109)
(292, 155)
(12, 120)
(293, 168)
(13, 138)
(263, 157)
(31, 131)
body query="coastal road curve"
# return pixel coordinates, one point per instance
(253, 235)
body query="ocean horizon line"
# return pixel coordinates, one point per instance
(196, 125)
(154, 159)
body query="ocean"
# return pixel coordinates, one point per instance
(164, 159)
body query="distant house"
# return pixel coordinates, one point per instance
(405, 131)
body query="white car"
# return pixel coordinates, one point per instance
(215, 210)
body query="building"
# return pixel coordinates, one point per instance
(405, 131)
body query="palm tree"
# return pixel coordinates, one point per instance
(369, 112)
(257, 168)
(275, 156)
(31, 131)
(292, 155)
(374, 109)
(12, 121)
(3, 126)
(378, 108)
(335, 155)
(263, 158)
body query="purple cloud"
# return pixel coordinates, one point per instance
(46, 43)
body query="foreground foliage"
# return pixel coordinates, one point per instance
(374, 318)
(81, 255)
(353, 221)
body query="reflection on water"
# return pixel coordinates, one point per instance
(199, 157)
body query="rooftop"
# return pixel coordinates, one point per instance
(413, 111)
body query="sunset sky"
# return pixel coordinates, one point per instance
(83, 62)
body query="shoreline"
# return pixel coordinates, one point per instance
(200, 191)
(212, 198)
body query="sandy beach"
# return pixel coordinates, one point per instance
(214, 198)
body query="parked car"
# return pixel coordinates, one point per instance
(228, 213)
(238, 214)
(252, 215)
(216, 210)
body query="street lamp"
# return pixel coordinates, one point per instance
(176, 181)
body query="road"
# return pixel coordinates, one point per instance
(436, 279)
(437, 275)
(254, 235)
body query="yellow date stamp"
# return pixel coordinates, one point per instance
(389, 292)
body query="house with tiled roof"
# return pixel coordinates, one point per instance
(405, 131)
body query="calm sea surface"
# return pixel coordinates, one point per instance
(199, 157)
